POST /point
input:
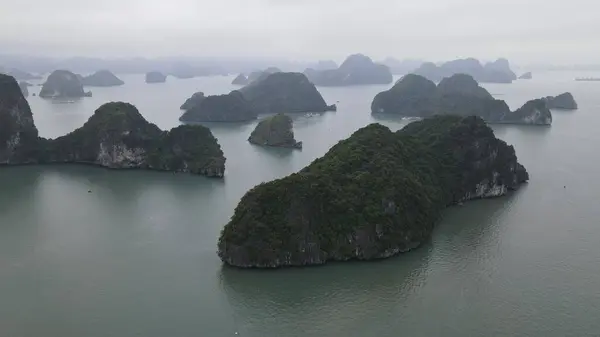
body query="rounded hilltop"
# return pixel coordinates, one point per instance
(275, 131)
(63, 84)
(102, 78)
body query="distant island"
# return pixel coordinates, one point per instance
(279, 92)
(460, 94)
(232, 107)
(275, 131)
(564, 101)
(401, 67)
(155, 77)
(115, 136)
(272, 93)
(588, 79)
(492, 72)
(357, 69)
(241, 79)
(20, 75)
(526, 76)
(374, 195)
(63, 84)
(102, 78)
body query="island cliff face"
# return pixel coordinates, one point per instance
(284, 93)
(155, 77)
(24, 88)
(232, 107)
(564, 101)
(116, 136)
(372, 196)
(533, 112)
(276, 131)
(63, 84)
(493, 72)
(357, 69)
(460, 94)
(19, 143)
(102, 78)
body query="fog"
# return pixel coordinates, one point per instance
(550, 31)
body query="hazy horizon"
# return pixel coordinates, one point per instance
(436, 30)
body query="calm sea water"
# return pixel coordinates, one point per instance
(136, 257)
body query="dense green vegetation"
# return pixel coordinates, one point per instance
(232, 107)
(62, 84)
(371, 196)
(279, 92)
(115, 136)
(275, 131)
(19, 141)
(460, 94)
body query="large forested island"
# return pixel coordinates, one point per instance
(284, 93)
(272, 93)
(63, 84)
(492, 72)
(116, 136)
(357, 69)
(460, 94)
(373, 195)
(241, 79)
(232, 107)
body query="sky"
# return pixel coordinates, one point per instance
(525, 31)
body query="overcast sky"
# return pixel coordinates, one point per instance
(525, 31)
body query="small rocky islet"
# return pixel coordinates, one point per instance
(116, 136)
(155, 77)
(275, 131)
(416, 96)
(374, 195)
